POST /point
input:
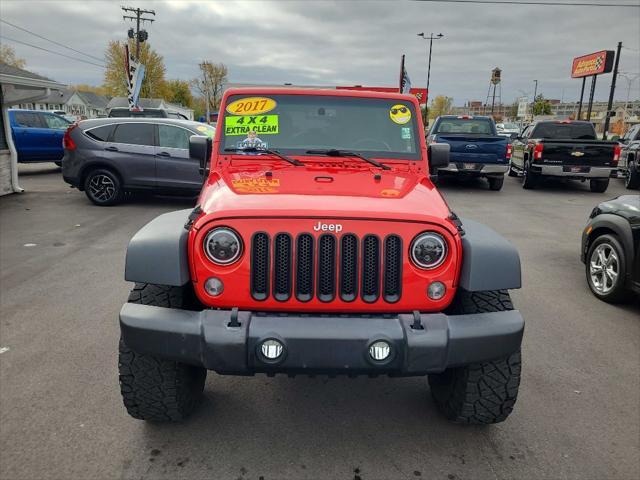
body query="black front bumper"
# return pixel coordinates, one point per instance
(320, 343)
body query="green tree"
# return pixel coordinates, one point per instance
(83, 87)
(541, 106)
(440, 105)
(115, 77)
(178, 91)
(8, 56)
(209, 84)
(512, 112)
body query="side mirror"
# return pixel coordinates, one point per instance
(438, 156)
(200, 149)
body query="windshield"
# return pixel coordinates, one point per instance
(464, 126)
(571, 131)
(294, 124)
(510, 126)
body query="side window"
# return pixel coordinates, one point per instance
(526, 132)
(134, 134)
(100, 133)
(53, 121)
(173, 137)
(28, 119)
(636, 134)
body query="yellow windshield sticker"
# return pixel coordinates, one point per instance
(251, 106)
(261, 124)
(256, 185)
(400, 114)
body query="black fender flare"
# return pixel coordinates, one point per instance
(158, 252)
(489, 261)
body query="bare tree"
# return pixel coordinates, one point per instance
(209, 84)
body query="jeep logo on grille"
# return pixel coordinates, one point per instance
(328, 227)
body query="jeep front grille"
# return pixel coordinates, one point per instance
(326, 267)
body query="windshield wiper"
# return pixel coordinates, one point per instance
(332, 152)
(275, 153)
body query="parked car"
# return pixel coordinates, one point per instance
(476, 148)
(611, 249)
(566, 148)
(508, 129)
(629, 164)
(107, 157)
(37, 135)
(319, 245)
(122, 112)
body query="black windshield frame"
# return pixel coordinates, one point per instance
(330, 102)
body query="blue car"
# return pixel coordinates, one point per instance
(38, 135)
(476, 148)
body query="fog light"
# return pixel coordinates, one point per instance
(436, 290)
(380, 350)
(271, 349)
(213, 286)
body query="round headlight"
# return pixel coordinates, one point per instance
(222, 245)
(428, 250)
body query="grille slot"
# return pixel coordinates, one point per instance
(304, 267)
(282, 267)
(326, 268)
(260, 266)
(370, 268)
(349, 267)
(392, 268)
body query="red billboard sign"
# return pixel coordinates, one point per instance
(592, 64)
(419, 93)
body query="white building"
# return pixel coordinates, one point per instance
(79, 104)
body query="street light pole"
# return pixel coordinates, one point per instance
(431, 38)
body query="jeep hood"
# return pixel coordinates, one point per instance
(321, 192)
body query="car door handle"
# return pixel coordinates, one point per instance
(163, 154)
(111, 149)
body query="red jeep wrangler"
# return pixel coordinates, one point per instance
(320, 245)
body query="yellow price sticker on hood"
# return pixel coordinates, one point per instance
(251, 106)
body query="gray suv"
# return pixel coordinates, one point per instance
(110, 156)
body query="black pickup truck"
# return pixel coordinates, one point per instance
(564, 149)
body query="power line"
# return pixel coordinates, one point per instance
(49, 40)
(536, 2)
(51, 51)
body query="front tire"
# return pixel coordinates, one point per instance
(632, 180)
(512, 171)
(103, 187)
(495, 183)
(153, 388)
(479, 393)
(599, 185)
(606, 269)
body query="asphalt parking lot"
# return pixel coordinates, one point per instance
(61, 416)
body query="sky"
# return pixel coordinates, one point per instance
(343, 42)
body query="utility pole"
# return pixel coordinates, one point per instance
(431, 38)
(203, 67)
(611, 93)
(139, 35)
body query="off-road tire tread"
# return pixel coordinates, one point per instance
(480, 393)
(157, 389)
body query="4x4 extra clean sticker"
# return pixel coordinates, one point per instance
(261, 124)
(251, 106)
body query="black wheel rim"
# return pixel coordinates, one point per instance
(102, 187)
